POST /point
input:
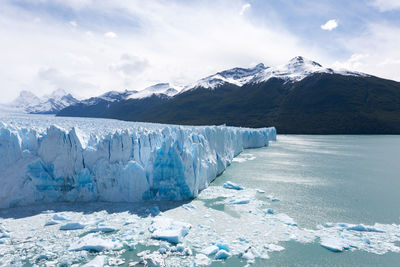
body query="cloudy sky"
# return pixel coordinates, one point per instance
(89, 47)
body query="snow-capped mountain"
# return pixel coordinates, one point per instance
(111, 96)
(301, 96)
(295, 70)
(157, 89)
(237, 76)
(27, 102)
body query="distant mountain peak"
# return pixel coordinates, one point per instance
(236, 76)
(296, 69)
(28, 102)
(299, 60)
(58, 93)
(157, 89)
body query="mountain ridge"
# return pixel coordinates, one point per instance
(28, 102)
(299, 97)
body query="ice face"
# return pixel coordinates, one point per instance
(107, 160)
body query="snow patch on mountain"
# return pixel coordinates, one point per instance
(157, 89)
(297, 69)
(236, 76)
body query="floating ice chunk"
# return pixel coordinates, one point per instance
(162, 251)
(180, 248)
(240, 201)
(231, 185)
(223, 246)
(211, 250)
(164, 228)
(93, 242)
(60, 217)
(3, 232)
(44, 256)
(115, 261)
(96, 262)
(188, 207)
(272, 198)
(273, 247)
(72, 226)
(103, 228)
(222, 254)
(250, 254)
(187, 252)
(334, 244)
(172, 236)
(282, 217)
(239, 160)
(270, 211)
(363, 228)
(164, 246)
(244, 157)
(202, 260)
(260, 191)
(56, 219)
(51, 222)
(154, 259)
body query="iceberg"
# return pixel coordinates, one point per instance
(50, 159)
(96, 262)
(72, 226)
(334, 244)
(231, 185)
(211, 250)
(363, 228)
(93, 242)
(222, 255)
(168, 230)
(202, 260)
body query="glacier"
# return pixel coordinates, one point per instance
(50, 159)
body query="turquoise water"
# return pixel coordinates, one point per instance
(320, 179)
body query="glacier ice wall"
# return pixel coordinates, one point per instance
(141, 162)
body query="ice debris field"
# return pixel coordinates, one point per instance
(214, 227)
(222, 223)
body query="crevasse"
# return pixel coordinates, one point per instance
(159, 162)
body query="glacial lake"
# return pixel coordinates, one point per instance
(314, 184)
(326, 178)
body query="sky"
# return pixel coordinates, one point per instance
(88, 47)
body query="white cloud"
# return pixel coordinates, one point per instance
(73, 23)
(129, 67)
(110, 35)
(244, 8)
(374, 52)
(386, 5)
(330, 25)
(166, 42)
(61, 80)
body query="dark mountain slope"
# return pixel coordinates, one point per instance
(321, 103)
